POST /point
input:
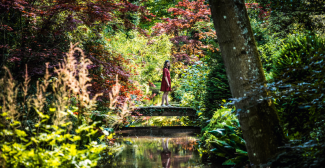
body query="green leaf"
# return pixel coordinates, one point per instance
(219, 142)
(228, 162)
(214, 150)
(20, 133)
(221, 154)
(15, 123)
(228, 147)
(217, 132)
(240, 159)
(240, 151)
(76, 138)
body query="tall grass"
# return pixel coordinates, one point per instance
(53, 127)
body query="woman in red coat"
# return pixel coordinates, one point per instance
(165, 84)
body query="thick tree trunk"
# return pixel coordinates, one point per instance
(259, 121)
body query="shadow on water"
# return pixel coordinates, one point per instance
(159, 152)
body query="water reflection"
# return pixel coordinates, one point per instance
(154, 152)
(165, 154)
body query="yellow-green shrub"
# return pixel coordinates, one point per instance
(51, 128)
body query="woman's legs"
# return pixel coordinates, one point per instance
(163, 98)
(166, 97)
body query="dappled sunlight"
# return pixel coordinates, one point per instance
(162, 83)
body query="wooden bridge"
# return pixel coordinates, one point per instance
(170, 131)
(164, 111)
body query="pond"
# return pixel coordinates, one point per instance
(148, 152)
(175, 151)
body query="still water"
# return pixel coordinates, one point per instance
(158, 152)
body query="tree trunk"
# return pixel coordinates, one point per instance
(259, 121)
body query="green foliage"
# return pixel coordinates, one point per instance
(48, 141)
(304, 154)
(53, 128)
(146, 55)
(294, 16)
(267, 43)
(159, 9)
(51, 147)
(296, 63)
(223, 138)
(267, 53)
(296, 53)
(158, 121)
(192, 85)
(217, 87)
(203, 85)
(260, 32)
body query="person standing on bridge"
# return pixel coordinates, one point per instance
(166, 84)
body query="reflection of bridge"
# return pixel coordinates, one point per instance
(170, 131)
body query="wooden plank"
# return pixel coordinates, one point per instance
(171, 131)
(164, 111)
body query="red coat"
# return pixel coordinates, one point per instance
(164, 86)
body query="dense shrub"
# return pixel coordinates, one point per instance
(55, 126)
(295, 54)
(267, 43)
(217, 86)
(305, 155)
(299, 63)
(192, 85)
(223, 138)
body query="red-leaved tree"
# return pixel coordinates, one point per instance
(191, 30)
(35, 32)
